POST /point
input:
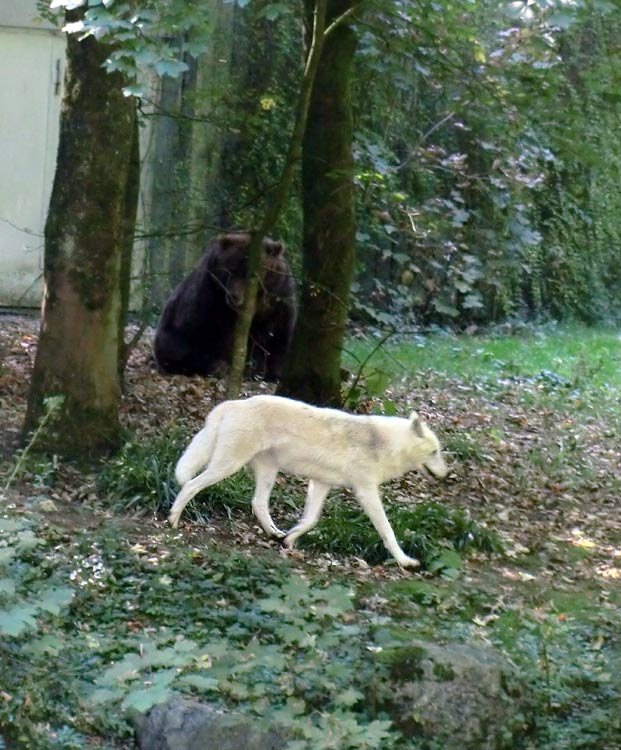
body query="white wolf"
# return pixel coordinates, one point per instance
(329, 447)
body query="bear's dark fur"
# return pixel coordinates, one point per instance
(195, 332)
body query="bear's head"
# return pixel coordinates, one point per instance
(228, 264)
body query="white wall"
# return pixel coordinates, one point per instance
(32, 62)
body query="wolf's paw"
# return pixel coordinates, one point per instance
(173, 519)
(408, 562)
(287, 542)
(289, 552)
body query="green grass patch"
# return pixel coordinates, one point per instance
(552, 357)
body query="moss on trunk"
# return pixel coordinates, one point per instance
(85, 236)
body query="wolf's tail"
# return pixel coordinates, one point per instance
(198, 453)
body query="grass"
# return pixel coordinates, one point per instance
(430, 532)
(571, 356)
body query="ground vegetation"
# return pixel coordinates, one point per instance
(520, 549)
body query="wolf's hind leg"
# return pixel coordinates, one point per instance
(315, 498)
(370, 500)
(218, 469)
(265, 473)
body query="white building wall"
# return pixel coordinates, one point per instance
(32, 58)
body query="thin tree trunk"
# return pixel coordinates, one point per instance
(276, 201)
(132, 192)
(313, 370)
(79, 344)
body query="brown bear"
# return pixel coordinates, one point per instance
(195, 332)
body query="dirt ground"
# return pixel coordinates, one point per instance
(545, 479)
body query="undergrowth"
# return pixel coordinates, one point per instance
(435, 535)
(97, 627)
(94, 626)
(124, 625)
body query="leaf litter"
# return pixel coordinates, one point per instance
(543, 474)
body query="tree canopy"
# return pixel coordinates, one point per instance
(478, 138)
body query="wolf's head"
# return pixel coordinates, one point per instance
(427, 448)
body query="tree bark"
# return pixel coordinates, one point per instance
(85, 235)
(313, 370)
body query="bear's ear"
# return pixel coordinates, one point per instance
(273, 248)
(234, 239)
(225, 241)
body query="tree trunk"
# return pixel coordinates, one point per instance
(79, 344)
(276, 199)
(313, 370)
(130, 211)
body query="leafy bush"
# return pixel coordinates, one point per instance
(33, 599)
(568, 658)
(238, 631)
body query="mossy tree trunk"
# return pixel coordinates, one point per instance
(85, 238)
(313, 370)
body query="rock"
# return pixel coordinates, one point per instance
(461, 696)
(188, 725)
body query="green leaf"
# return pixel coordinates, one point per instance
(9, 524)
(472, 301)
(136, 89)
(390, 407)
(26, 540)
(101, 696)
(7, 554)
(47, 644)
(460, 217)
(172, 68)
(127, 669)
(142, 699)
(7, 587)
(55, 599)
(445, 309)
(274, 11)
(200, 682)
(349, 697)
(448, 561)
(561, 20)
(14, 621)
(377, 382)
(273, 604)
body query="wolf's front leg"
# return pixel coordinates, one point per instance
(371, 502)
(315, 498)
(265, 473)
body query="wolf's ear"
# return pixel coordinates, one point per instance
(417, 425)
